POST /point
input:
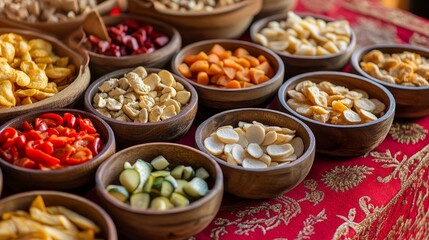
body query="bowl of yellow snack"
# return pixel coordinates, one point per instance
(348, 114)
(53, 215)
(38, 72)
(403, 69)
(306, 42)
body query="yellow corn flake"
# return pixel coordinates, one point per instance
(62, 62)
(58, 72)
(21, 78)
(7, 99)
(6, 71)
(7, 50)
(38, 78)
(40, 44)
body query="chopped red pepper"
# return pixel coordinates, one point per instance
(59, 141)
(26, 126)
(52, 119)
(25, 163)
(80, 156)
(33, 135)
(69, 120)
(85, 124)
(39, 156)
(40, 125)
(64, 152)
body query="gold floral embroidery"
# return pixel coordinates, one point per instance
(309, 223)
(407, 132)
(315, 196)
(368, 32)
(319, 5)
(345, 178)
(418, 39)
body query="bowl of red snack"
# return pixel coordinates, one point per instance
(55, 149)
(134, 41)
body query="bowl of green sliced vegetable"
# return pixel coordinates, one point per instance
(160, 190)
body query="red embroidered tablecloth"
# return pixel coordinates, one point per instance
(381, 195)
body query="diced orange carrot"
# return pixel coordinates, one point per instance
(217, 49)
(262, 58)
(214, 69)
(203, 78)
(233, 84)
(214, 79)
(223, 80)
(246, 84)
(253, 61)
(243, 62)
(231, 63)
(229, 72)
(202, 56)
(199, 66)
(240, 52)
(190, 59)
(213, 58)
(184, 70)
(268, 70)
(225, 55)
(257, 76)
(243, 75)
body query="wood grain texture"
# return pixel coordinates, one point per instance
(273, 7)
(176, 223)
(218, 98)
(130, 133)
(80, 205)
(411, 102)
(265, 182)
(71, 178)
(344, 140)
(226, 22)
(297, 64)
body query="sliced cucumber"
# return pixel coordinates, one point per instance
(202, 173)
(160, 203)
(148, 185)
(144, 169)
(177, 171)
(180, 184)
(196, 188)
(118, 192)
(178, 200)
(171, 180)
(127, 165)
(159, 163)
(166, 189)
(130, 179)
(160, 173)
(140, 200)
(157, 183)
(188, 173)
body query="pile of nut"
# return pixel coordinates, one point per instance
(141, 97)
(329, 103)
(44, 10)
(192, 5)
(305, 36)
(30, 71)
(406, 68)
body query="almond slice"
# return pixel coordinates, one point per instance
(254, 150)
(270, 138)
(253, 163)
(255, 134)
(280, 151)
(298, 146)
(238, 153)
(214, 145)
(227, 135)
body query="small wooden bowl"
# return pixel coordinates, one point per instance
(80, 205)
(101, 64)
(130, 133)
(344, 140)
(176, 223)
(264, 182)
(218, 98)
(59, 29)
(273, 7)
(70, 178)
(67, 97)
(411, 102)
(296, 64)
(225, 22)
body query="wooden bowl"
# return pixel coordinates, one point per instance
(218, 98)
(59, 29)
(296, 64)
(1, 182)
(263, 182)
(176, 223)
(101, 64)
(411, 102)
(69, 178)
(130, 133)
(67, 97)
(224, 22)
(273, 7)
(344, 140)
(80, 205)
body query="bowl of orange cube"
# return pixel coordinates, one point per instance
(230, 74)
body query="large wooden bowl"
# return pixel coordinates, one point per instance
(263, 182)
(221, 98)
(131, 133)
(176, 223)
(59, 29)
(273, 7)
(80, 205)
(225, 22)
(296, 64)
(101, 64)
(69, 178)
(411, 102)
(344, 140)
(67, 97)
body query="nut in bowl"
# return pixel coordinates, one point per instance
(230, 73)
(306, 42)
(260, 164)
(403, 70)
(158, 222)
(348, 114)
(58, 149)
(143, 105)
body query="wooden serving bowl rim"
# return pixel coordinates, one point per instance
(304, 157)
(217, 186)
(258, 25)
(282, 96)
(240, 43)
(106, 217)
(358, 54)
(184, 110)
(107, 144)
